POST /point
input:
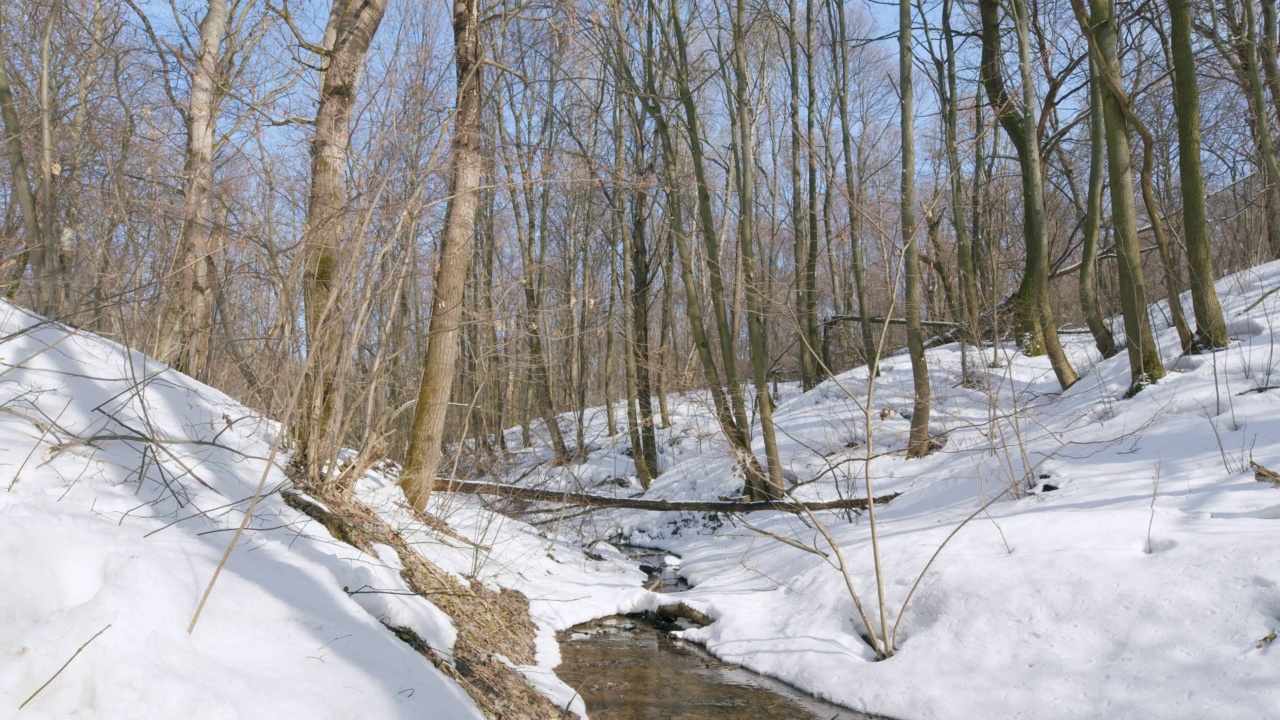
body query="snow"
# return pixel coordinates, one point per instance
(1138, 586)
(1107, 557)
(121, 536)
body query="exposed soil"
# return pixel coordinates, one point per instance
(488, 623)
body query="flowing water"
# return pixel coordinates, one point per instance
(631, 668)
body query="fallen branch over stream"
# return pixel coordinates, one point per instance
(726, 506)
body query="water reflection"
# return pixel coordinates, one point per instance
(626, 669)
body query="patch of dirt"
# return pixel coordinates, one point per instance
(488, 623)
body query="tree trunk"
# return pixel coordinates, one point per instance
(852, 196)
(968, 304)
(1144, 356)
(21, 179)
(50, 263)
(187, 319)
(422, 461)
(918, 443)
(809, 328)
(771, 487)
(642, 282)
(636, 338)
(1266, 147)
(611, 421)
(1035, 316)
(799, 219)
(666, 333)
(1098, 327)
(351, 26)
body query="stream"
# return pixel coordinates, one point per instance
(631, 668)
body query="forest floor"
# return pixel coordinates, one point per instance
(1118, 560)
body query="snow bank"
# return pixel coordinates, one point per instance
(1126, 567)
(1130, 572)
(103, 531)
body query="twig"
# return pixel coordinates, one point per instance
(253, 504)
(784, 540)
(74, 655)
(43, 433)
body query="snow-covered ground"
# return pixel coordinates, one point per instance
(1139, 586)
(1130, 572)
(110, 538)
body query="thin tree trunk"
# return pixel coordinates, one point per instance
(706, 224)
(351, 27)
(1144, 356)
(771, 488)
(629, 357)
(964, 252)
(642, 281)
(1266, 147)
(187, 319)
(809, 327)
(853, 197)
(21, 179)
(1036, 324)
(422, 461)
(633, 312)
(666, 332)
(918, 443)
(726, 393)
(49, 259)
(933, 224)
(799, 219)
(611, 420)
(580, 347)
(1098, 327)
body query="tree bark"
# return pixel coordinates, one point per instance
(352, 26)
(771, 485)
(603, 501)
(918, 443)
(1266, 147)
(799, 218)
(422, 461)
(49, 263)
(1102, 337)
(968, 304)
(32, 237)
(852, 196)
(187, 320)
(809, 326)
(1144, 356)
(1035, 316)
(1211, 329)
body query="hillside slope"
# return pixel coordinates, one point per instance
(1126, 568)
(120, 481)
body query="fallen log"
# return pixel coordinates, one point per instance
(726, 506)
(832, 320)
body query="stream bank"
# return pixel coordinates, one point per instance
(633, 668)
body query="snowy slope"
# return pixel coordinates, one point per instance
(1138, 586)
(102, 532)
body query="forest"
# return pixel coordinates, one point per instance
(443, 240)
(588, 202)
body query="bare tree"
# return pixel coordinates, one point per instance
(1144, 356)
(1211, 329)
(1035, 316)
(919, 443)
(350, 31)
(186, 322)
(422, 460)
